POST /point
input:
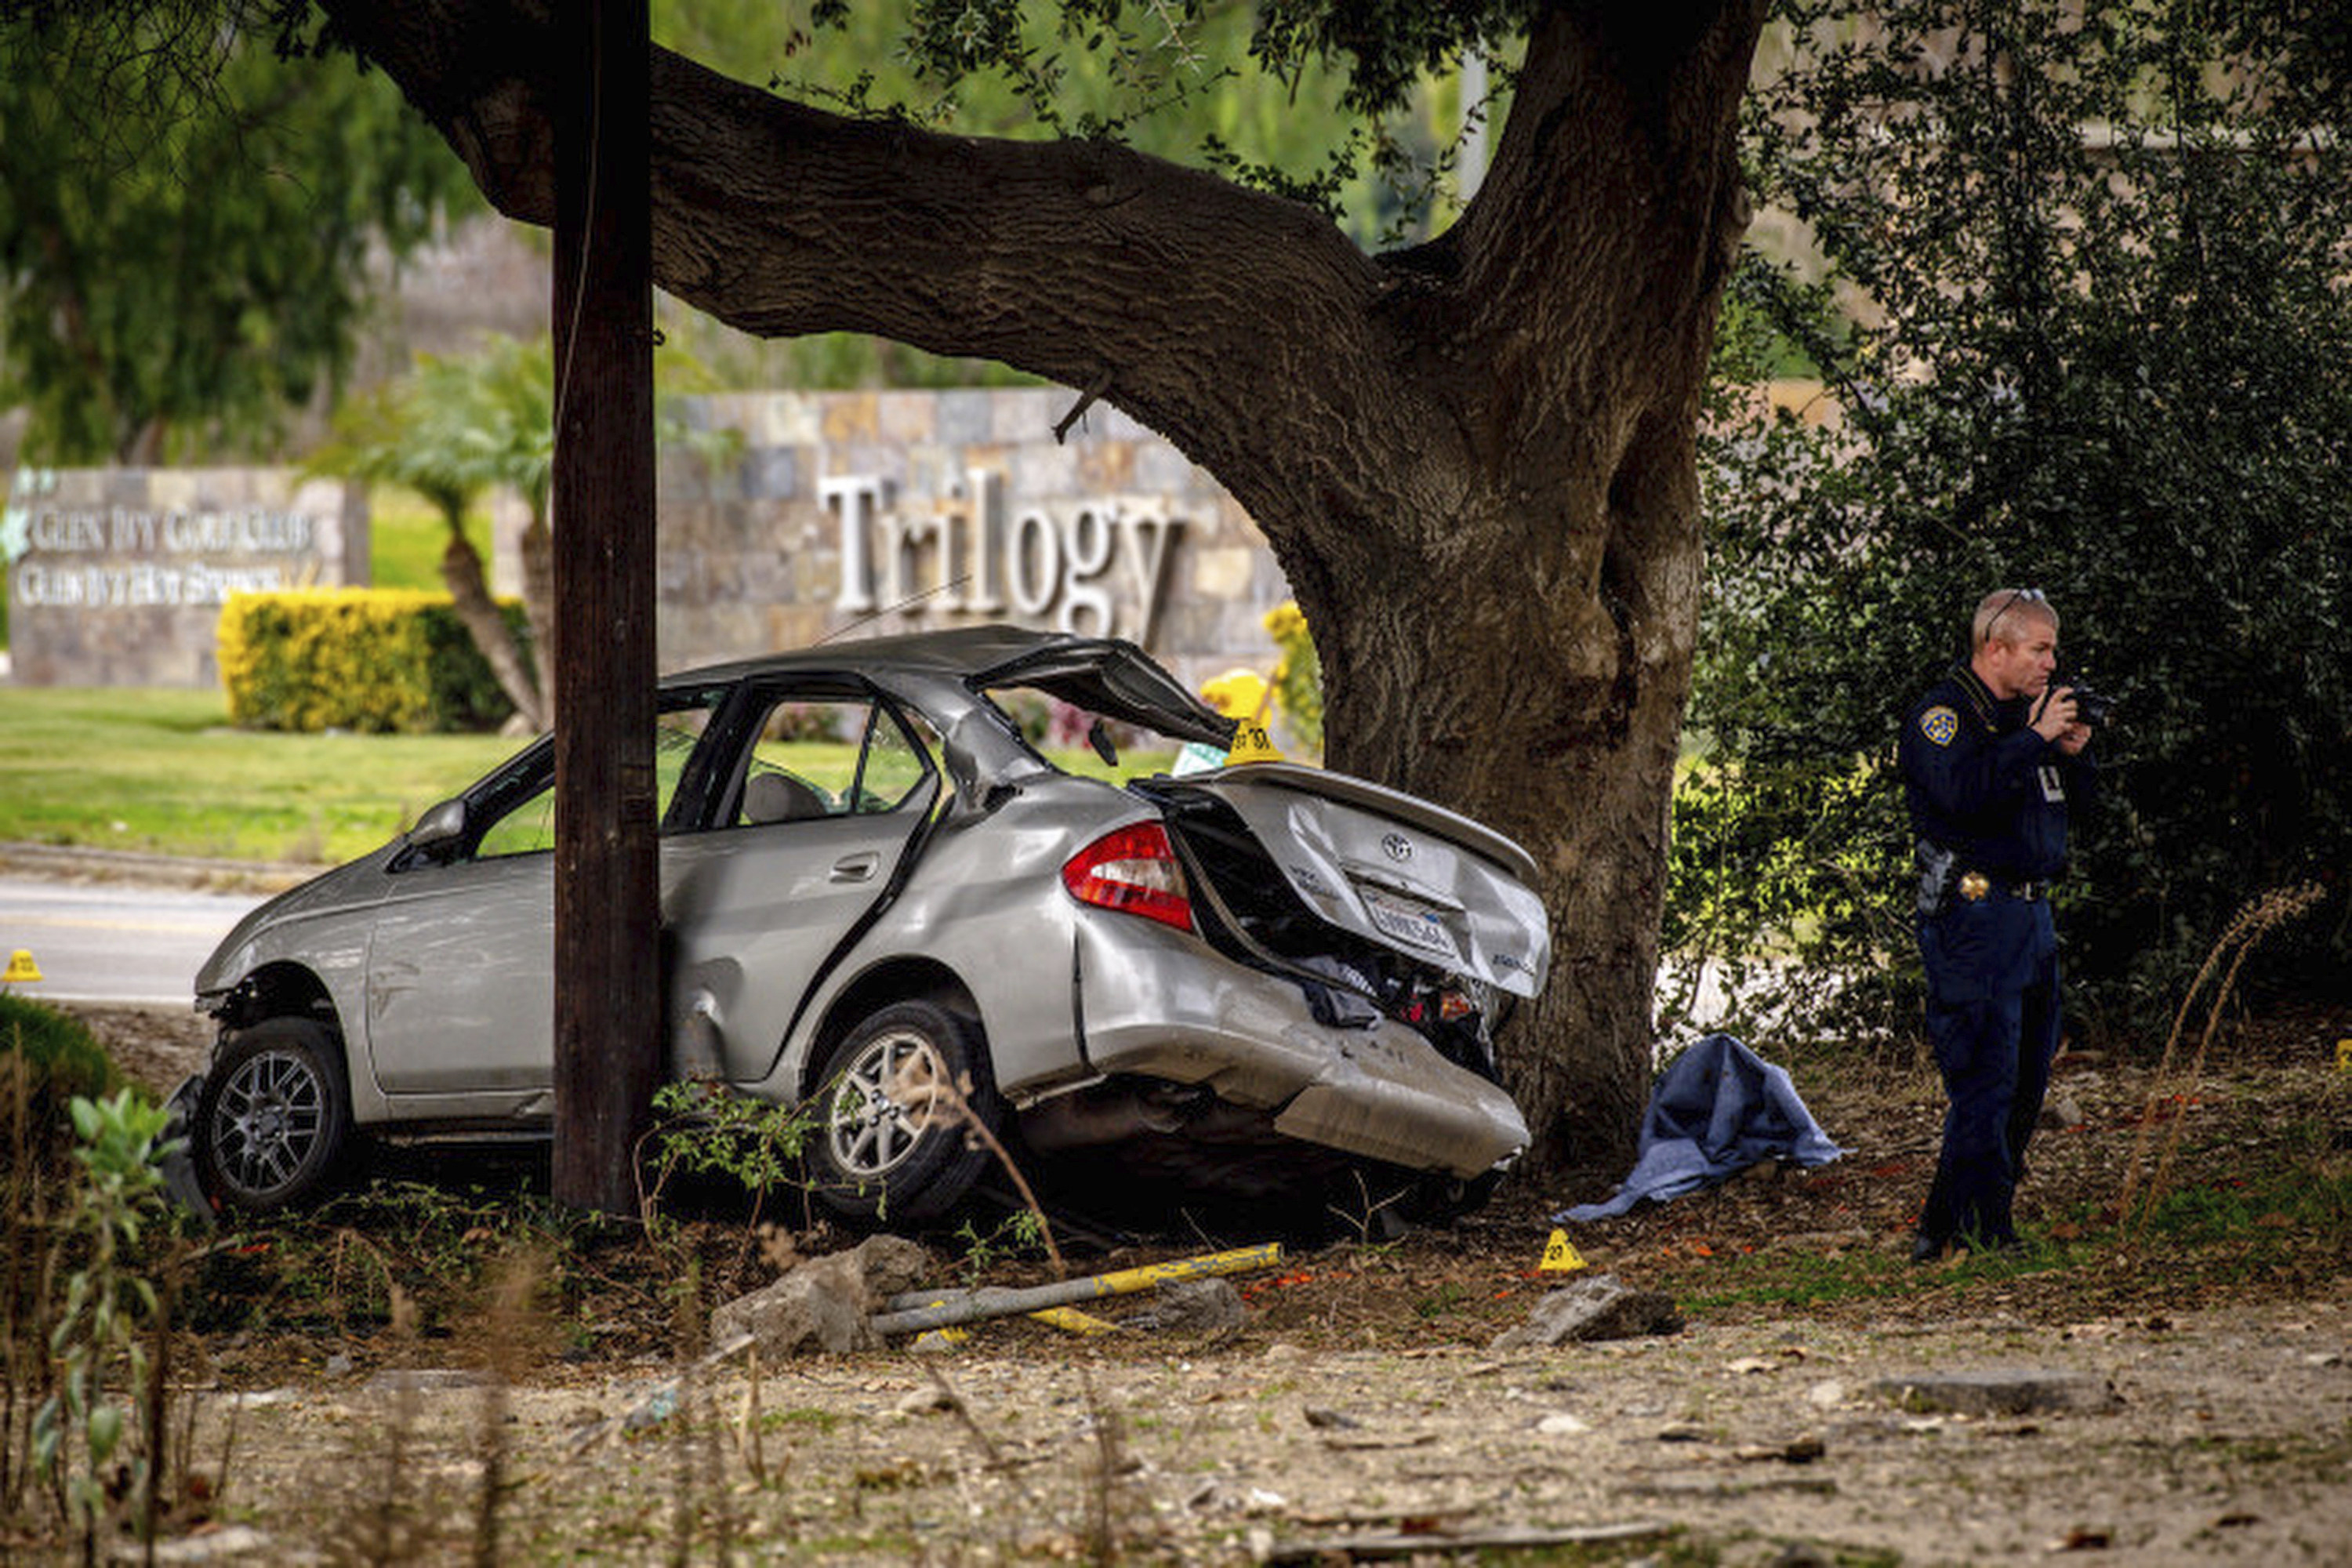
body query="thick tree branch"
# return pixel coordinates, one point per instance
(1071, 259)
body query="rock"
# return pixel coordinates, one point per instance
(2060, 1111)
(236, 1541)
(1560, 1424)
(425, 1380)
(2016, 1391)
(1601, 1307)
(926, 1401)
(824, 1303)
(1192, 1307)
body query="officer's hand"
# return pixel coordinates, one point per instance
(2056, 714)
(2074, 739)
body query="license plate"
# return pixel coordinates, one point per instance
(1410, 922)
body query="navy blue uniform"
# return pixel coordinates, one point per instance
(1992, 795)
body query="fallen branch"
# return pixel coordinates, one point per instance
(918, 1310)
(1424, 1543)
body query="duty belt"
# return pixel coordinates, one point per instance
(1976, 887)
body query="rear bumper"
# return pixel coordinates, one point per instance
(1154, 1002)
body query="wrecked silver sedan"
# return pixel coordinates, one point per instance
(877, 896)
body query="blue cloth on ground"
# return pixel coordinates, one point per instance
(1718, 1109)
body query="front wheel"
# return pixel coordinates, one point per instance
(275, 1117)
(905, 1100)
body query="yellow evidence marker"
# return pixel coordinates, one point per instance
(2343, 1047)
(22, 970)
(1252, 744)
(1559, 1256)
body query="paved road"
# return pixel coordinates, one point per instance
(105, 943)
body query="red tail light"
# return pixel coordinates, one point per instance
(1134, 869)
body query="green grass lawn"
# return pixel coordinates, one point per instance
(161, 771)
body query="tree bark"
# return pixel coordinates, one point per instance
(537, 551)
(477, 611)
(1474, 459)
(608, 992)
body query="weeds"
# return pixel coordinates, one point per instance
(103, 1455)
(2255, 922)
(705, 1129)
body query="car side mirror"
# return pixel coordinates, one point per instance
(444, 823)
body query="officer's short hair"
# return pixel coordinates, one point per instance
(2003, 608)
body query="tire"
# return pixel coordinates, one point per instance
(274, 1121)
(886, 1152)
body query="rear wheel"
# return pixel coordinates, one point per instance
(899, 1117)
(275, 1117)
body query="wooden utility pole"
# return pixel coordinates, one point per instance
(602, 671)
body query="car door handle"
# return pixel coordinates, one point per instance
(857, 868)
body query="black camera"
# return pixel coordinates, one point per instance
(2091, 708)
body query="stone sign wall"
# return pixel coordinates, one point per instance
(840, 514)
(116, 577)
(859, 513)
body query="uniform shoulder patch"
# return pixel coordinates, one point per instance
(1939, 724)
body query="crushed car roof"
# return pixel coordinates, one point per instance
(957, 652)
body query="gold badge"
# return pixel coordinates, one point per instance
(1974, 886)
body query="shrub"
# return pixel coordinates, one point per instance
(57, 1060)
(1298, 678)
(356, 659)
(2085, 327)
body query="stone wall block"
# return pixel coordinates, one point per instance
(1159, 467)
(770, 473)
(168, 489)
(1222, 571)
(1028, 412)
(1042, 468)
(880, 459)
(849, 416)
(1106, 465)
(907, 416)
(964, 416)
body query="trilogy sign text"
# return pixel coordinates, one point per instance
(1034, 563)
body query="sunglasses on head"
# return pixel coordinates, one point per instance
(2029, 596)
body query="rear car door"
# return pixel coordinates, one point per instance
(823, 797)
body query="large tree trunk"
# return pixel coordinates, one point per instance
(1474, 459)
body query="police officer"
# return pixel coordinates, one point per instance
(1993, 760)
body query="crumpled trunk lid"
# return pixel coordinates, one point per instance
(1395, 870)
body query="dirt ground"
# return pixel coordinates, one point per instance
(2198, 1400)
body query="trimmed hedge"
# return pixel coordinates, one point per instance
(371, 660)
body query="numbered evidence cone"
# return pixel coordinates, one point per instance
(22, 970)
(1252, 744)
(1559, 1256)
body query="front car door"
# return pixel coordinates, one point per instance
(460, 989)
